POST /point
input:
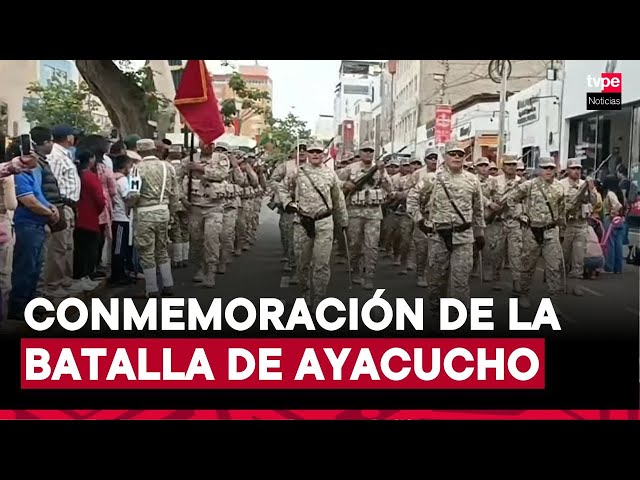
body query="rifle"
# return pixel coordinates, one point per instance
(493, 214)
(582, 190)
(368, 175)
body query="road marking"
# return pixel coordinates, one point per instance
(592, 292)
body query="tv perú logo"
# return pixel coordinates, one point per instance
(609, 94)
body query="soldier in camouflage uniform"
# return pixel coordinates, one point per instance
(209, 194)
(339, 235)
(283, 169)
(455, 223)
(417, 211)
(579, 201)
(258, 198)
(156, 200)
(365, 214)
(179, 225)
(543, 218)
(481, 169)
(392, 166)
(503, 225)
(402, 229)
(249, 185)
(312, 223)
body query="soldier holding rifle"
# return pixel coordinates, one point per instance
(365, 186)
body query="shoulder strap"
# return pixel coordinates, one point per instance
(446, 192)
(164, 180)
(315, 188)
(546, 200)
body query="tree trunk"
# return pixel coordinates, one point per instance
(123, 99)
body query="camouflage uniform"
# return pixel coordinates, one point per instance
(575, 236)
(179, 225)
(314, 254)
(478, 166)
(508, 238)
(209, 193)
(153, 206)
(534, 194)
(249, 183)
(286, 168)
(402, 229)
(339, 235)
(257, 202)
(451, 264)
(418, 212)
(365, 215)
(388, 220)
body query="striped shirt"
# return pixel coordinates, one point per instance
(65, 171)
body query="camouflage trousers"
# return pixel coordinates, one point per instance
(151, 239)
(227, 242)
(449, 269)
(313, 257)
(551, 252)
(364, 238)
(401, 237)
(255, 219)
(573, 248)
(490, 258)
(386, 229)
(205, 229)
(507, 241)
(286, 236)
(421, 243)
(243, 224)
(179, 227)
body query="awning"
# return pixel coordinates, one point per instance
(466, 143)
(488, 141)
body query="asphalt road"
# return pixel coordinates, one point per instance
(610, 302)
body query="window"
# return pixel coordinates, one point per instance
(177, 76)
(48, 72)
(175, 63)
(634, 164)
(356, 90)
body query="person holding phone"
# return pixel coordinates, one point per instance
(32, 214)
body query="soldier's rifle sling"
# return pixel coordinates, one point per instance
(315, 188)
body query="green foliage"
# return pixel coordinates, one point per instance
(253, 100)
(142, 78)
(281, 135)
(61, 102)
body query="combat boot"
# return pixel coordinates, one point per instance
(422, 281)
(167, 292)
(368, 284)
(199, 276)
(209, 280)
(222, 268)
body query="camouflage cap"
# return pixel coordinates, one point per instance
(431, 151)
(405, 161)
(417, 160)
(145, 145)
(481, 161)
(509, 159)
(315, 146)
(574, 162)
(224, 146)
(520, 165)
(454, 147)
(367, 146)
(546, 162)
(493, 165)
(394, 162)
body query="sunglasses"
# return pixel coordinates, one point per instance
(548, 168)
(432, 157)
(493, 169)
(575, 168)
(314, 151)
(367, 150)
(456, 153)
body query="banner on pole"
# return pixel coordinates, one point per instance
(443, 124)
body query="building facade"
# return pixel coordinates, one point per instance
(594, 135)
(357, 82)
(323, 129)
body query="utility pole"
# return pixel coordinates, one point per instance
(392, 67)
(503, 102)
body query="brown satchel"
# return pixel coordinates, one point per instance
(61, 224)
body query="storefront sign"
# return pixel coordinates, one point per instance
(464, 131)
(528, 111)
(443, 124)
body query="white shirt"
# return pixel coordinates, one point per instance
(119, 208)
(65, 171)
(106, 159)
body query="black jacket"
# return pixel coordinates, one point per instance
(50, 188)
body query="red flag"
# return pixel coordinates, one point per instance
(197, 103)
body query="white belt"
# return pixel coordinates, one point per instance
(152, 208)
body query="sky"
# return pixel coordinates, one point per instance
(302, 87)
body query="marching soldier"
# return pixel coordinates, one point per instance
(365, 213)
(503, 225)
(312, 195)
(580, 198)
(179, 226)
(258, 198)
(481, 169)
(418, 212)
(402, 229)
(455, 223)
(543, 217)
(209, 194)
(245, 212)
(283, 169)
(230, 208)
(392, 167)
(157, 198)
